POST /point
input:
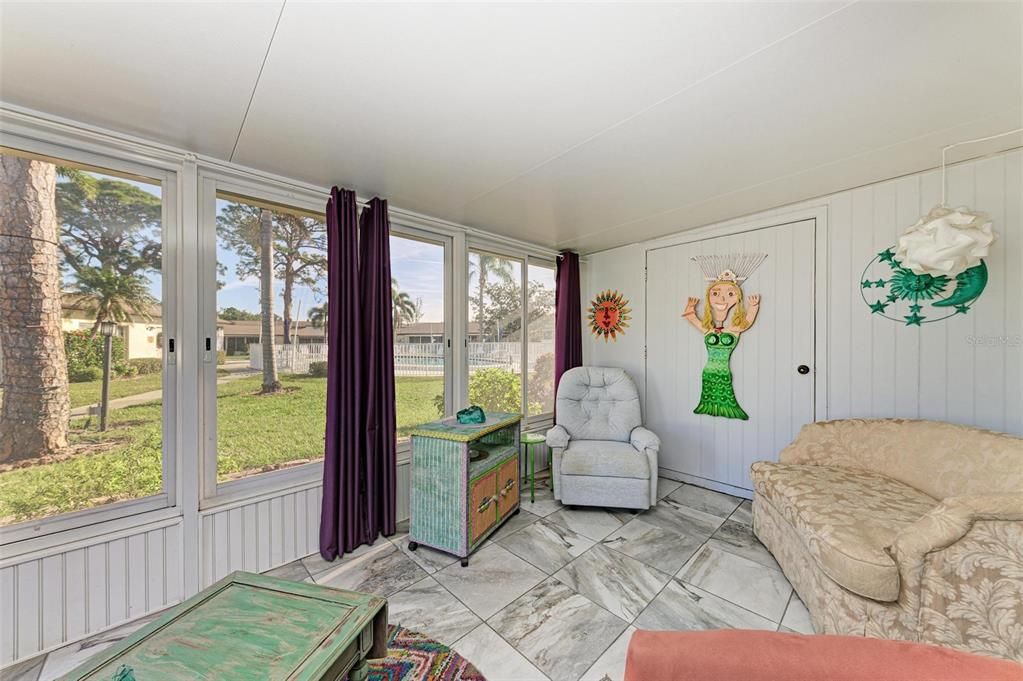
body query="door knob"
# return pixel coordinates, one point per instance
(803, 369)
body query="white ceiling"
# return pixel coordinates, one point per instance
(570, 125)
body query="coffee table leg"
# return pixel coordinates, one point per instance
(360, 672)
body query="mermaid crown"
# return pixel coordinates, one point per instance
(735, 267)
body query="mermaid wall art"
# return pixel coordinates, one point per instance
(726, 316)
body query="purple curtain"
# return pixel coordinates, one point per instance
(359, 456)
(568, 327)
(379, 429)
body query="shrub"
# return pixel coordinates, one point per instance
(146, 365)
(541, 383)
(318, 369)
(85, 374)
(495, 389)
(85, 350)
(221, 357)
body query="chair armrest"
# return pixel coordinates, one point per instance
(641, 439)
(950, 521)
(557, 437)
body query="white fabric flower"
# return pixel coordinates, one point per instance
(946, 241)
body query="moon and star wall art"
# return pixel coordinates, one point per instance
(936, 270)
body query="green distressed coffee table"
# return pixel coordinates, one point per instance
(250, 627)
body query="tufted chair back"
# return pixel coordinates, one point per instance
(598, 403)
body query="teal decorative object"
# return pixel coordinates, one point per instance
(473, 414)
(914, 299)
(124, 673)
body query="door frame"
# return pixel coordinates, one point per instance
(819, 314)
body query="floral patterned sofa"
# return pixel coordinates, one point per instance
(901, 529)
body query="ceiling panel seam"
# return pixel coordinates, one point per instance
(661, 101)
(1009, 146)
(255, 86)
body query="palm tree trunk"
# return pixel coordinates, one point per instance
(266, 302)
(289, 287)
(33, 370)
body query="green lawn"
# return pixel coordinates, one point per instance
(255, 432)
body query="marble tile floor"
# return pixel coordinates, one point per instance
(557, 592)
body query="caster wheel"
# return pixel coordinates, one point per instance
(412, 546)
(465, 562)
(517, 511)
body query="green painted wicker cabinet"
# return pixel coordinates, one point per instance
(465, 482)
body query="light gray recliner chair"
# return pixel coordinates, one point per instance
(601, 455)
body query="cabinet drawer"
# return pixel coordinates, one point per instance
(482, 506)
(508, 486)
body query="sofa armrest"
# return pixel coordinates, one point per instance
(959, 568)
(557, 437)
(950, 521)
(641, 439)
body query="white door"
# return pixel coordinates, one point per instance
(765, 364)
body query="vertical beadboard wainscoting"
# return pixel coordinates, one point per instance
(60, 595)
(55, 597)
(260, 534)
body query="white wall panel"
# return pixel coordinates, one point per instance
(55, 597)
(967, 369)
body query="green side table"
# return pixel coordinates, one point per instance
(529, 441)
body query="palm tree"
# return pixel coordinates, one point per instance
(35, 406)
(111, 296)
(317, 316)
(271, 384)
(501, 268)
(403, 309)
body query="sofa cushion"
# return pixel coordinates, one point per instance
(846, 518)
(604, 458)
(769, 656)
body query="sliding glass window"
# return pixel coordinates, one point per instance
(419, 310)
(540, 350)
(85, 401)
(494, 332)
(269, 347)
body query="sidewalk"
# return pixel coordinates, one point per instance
(150, 396)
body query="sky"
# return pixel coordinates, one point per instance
(417, 265)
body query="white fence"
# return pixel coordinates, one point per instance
(410, 359)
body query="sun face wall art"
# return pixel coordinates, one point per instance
(726, 316)
(609, 315)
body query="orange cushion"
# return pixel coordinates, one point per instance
(730, 654)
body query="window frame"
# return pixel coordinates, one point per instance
(213, 493)
(543, 419)
(167, 175)
(403, 446)
(211, 183)
(524, 258)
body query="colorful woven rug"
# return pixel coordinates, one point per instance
(414, 657)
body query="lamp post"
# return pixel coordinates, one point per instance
(106, 328)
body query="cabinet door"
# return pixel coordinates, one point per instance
(482, 506)
(508, 486)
